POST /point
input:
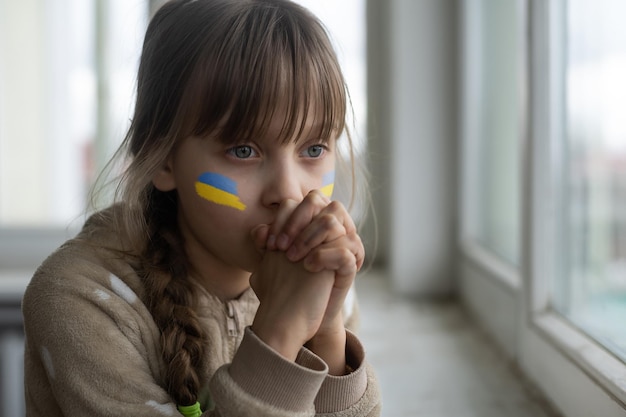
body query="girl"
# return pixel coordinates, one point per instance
(215, 284)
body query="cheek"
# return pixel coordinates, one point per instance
(219, 189)
(328, 184)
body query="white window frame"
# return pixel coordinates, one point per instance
(577, 375)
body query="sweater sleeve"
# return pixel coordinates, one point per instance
(259, 382)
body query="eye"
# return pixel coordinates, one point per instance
(242, 152)
(314, 151)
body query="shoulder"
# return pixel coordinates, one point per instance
(81, 300)
(87, 272)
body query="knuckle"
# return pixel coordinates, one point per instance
(316, 257)
(346, 256)
(328, 221)
(336, 206)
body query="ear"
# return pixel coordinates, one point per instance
(163, 179)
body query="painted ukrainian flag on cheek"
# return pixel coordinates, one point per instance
(219, 189)
(328, 184)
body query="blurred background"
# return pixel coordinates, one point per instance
(495, 136)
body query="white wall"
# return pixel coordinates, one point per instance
(412, 129)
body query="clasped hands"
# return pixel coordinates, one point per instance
(311, 255)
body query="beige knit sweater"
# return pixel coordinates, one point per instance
(92, 348)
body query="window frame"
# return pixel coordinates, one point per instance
(513, 304)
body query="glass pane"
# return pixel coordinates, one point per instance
(64, 103)
(495, 99)
(594, 235)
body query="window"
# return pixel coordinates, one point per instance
(563, 322)
(591, 288)
(67, 71)
(492, 120)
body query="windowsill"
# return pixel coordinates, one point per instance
(489, 285)
(576, 374)
(600, 365)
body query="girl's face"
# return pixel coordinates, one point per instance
(224, 191)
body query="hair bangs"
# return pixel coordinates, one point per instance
(275, 65)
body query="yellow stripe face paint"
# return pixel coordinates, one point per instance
(328, 184)
(219, 189)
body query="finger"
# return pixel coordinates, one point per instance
(344, 255)
(282, 214)
(259, 235)
(323, 229)
(298, 218)
(331, 223)
(341, 261)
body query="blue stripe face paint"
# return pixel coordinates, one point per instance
(219, 189)
(328, 184)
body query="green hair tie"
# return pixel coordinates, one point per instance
(190, 410)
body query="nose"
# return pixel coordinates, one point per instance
(282, 182)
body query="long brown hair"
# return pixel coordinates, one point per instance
(219, 67)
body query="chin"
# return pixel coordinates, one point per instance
(250, 263)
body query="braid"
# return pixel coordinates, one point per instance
(171, 301)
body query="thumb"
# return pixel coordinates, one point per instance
(259, 236)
